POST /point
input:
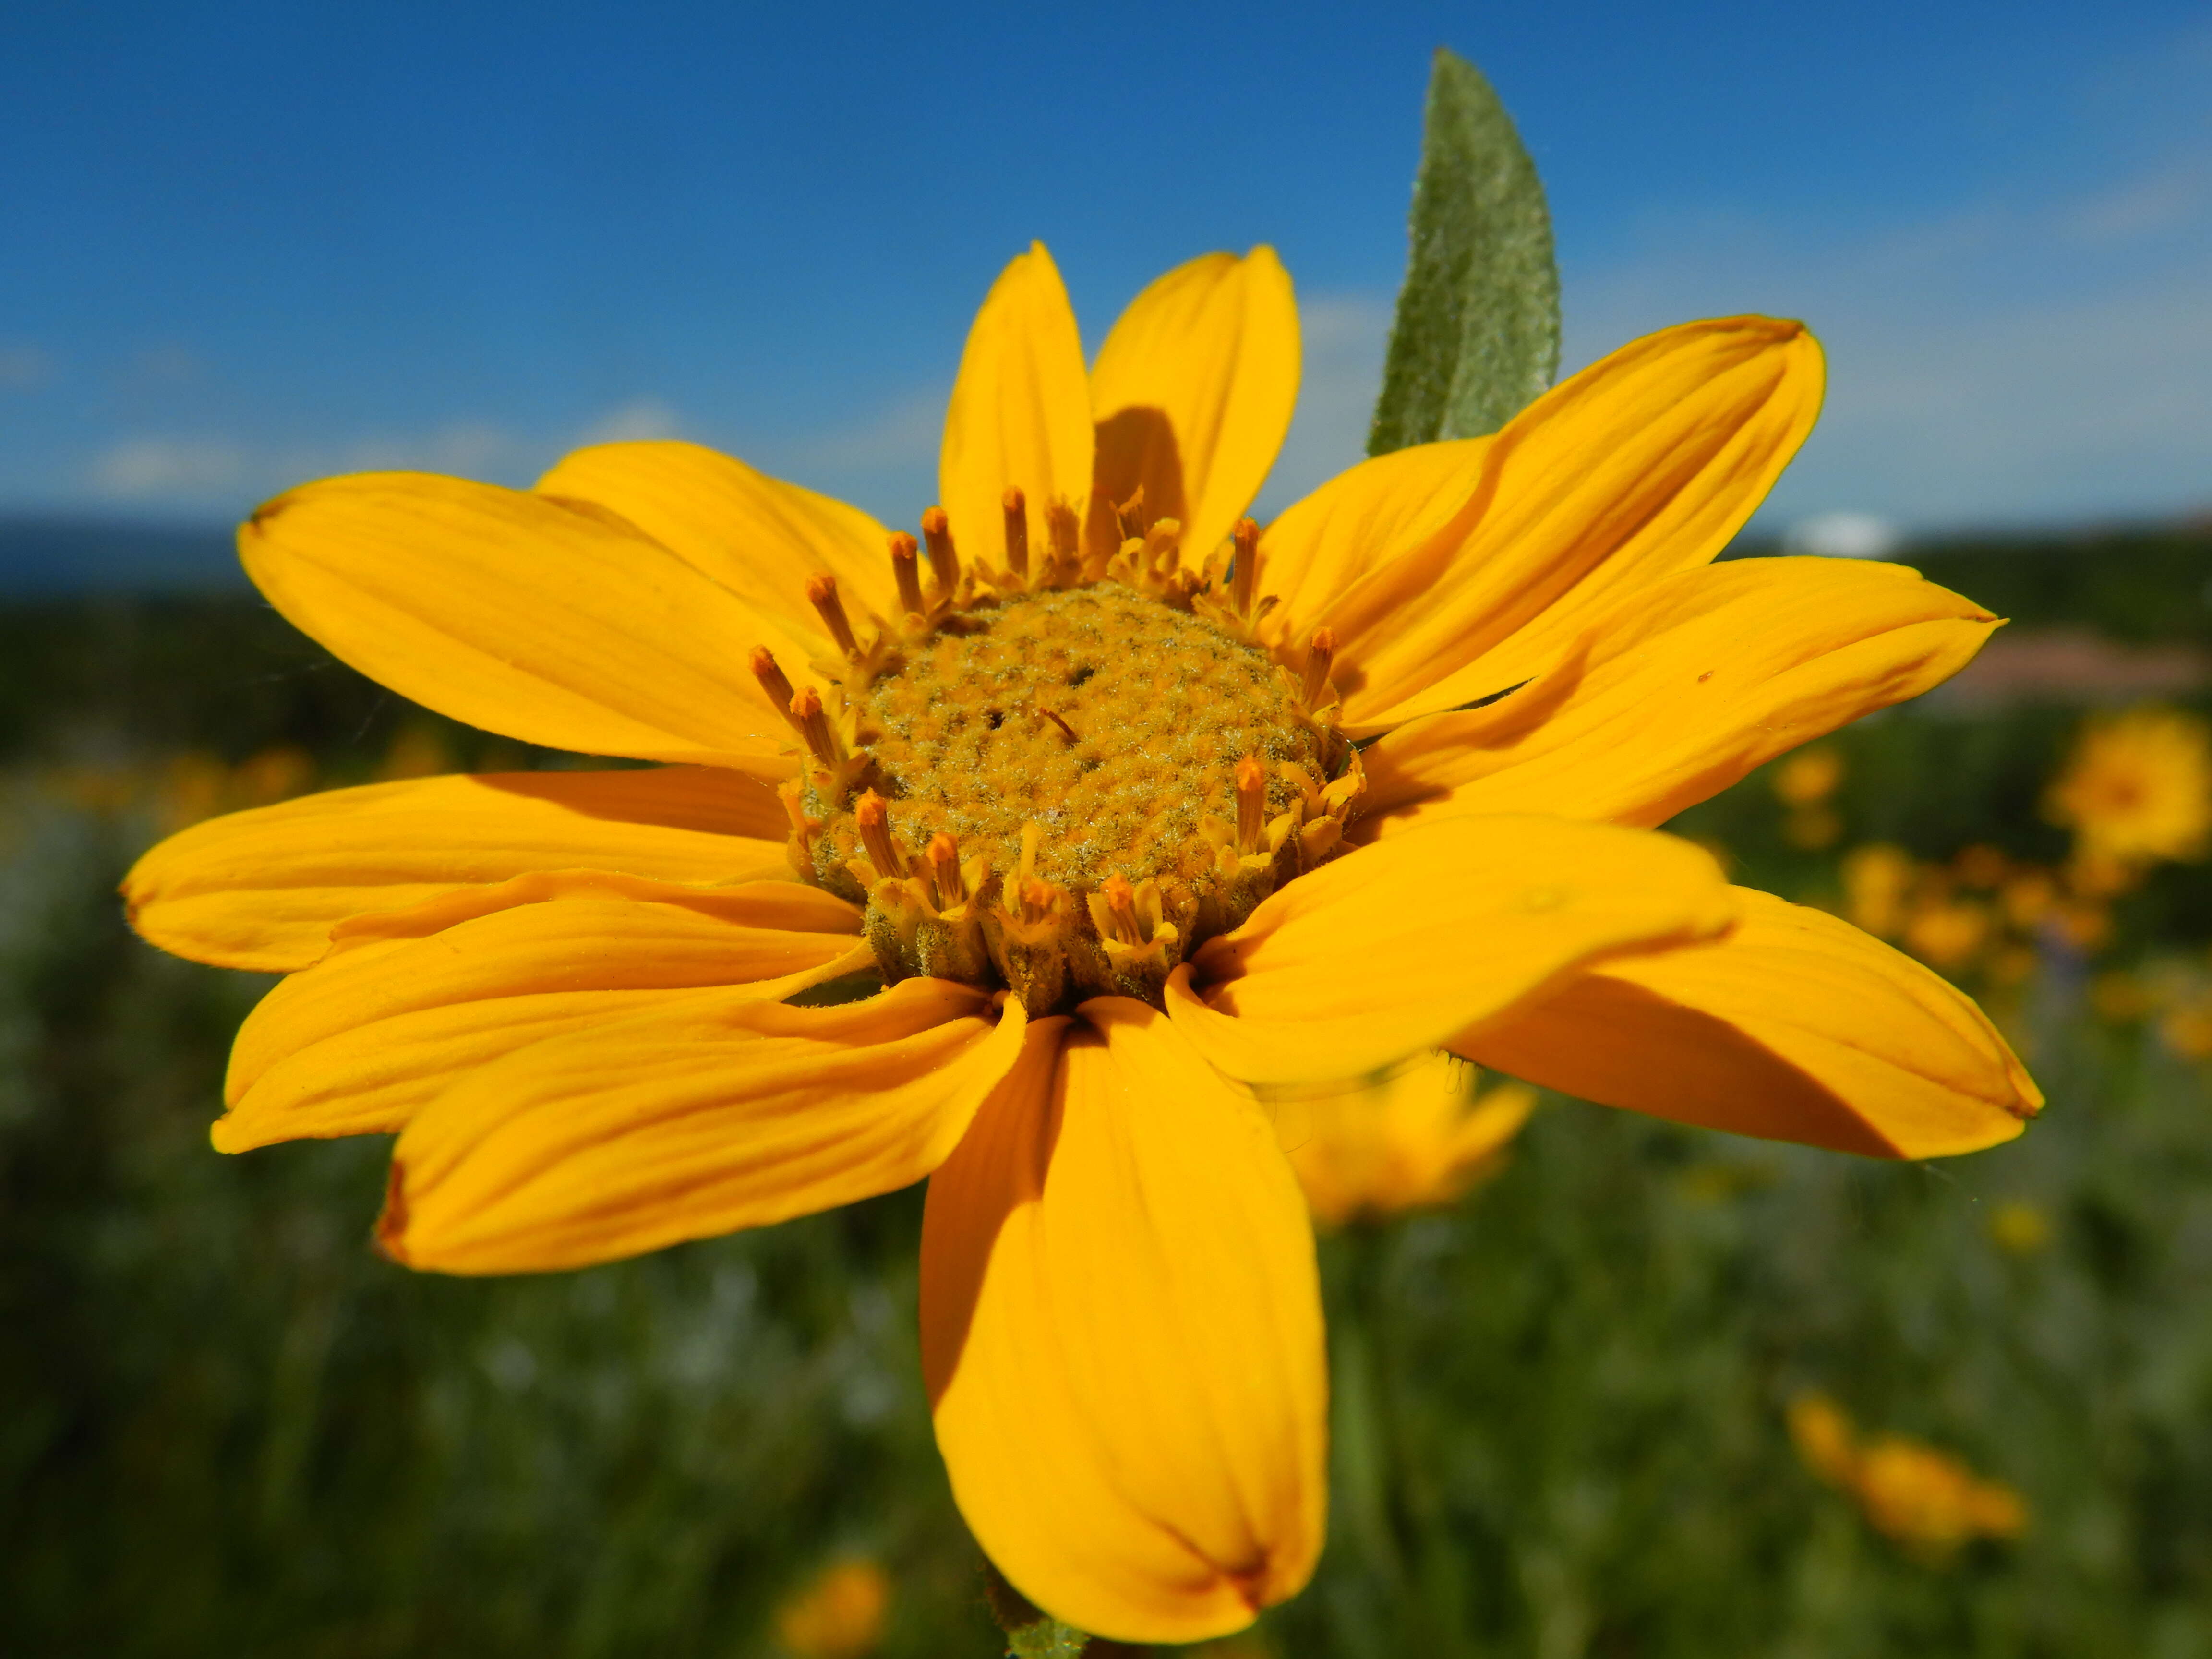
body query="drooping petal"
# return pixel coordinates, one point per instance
(712, 1114)
(263, 889)
(1020, 413)
(376, 1029)
(1121, 1336)
(551, 623)
(758, 536)
(1680, 691)
(1390, 950)
(1795, 1026)
(1642, 466)
(1193, 390)
(1415, 1138)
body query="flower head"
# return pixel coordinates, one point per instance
(1119, 809)
(838, 1614)
(2138, 789)
(1925, 1499)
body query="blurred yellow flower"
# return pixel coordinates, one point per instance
(1823, 1437)
(2187, 1029)
(1876, 879)
(419, 751)
(1930, 1500)
(1947, 933)
(1415, 1139)
(838, 1614)
(1803, 783)
(197, 785)
(2019, 1227)
(2028, 897)
(1925, 1499)
(1808, 777)
(2137, 788)
(1981, 866)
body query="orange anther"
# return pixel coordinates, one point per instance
(1319, 655)
(1251, 804)
(1036, 898)
(821, 594)
(1065, 531)
(806, 715)
(1122, 908)
(1131, 512)
(873, 816)
(772, 680)
(944, 563)
(942, 856)
(906, 573)
(1246, 575)
(1017, 529)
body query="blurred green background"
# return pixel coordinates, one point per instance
(226, 1427)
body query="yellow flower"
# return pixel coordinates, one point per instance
(1808, 777)
(1878, 879)
(839, 1615)
(1415, 1139)
(1947, 932)
(1925, 1499)
(2187, 1029)
(1078, 785)
(1824, 1437)
(2138, 789)
(2019, 1227)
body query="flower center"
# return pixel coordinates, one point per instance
(1061, 780)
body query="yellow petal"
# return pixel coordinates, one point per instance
(516, 613)
(1020, 411)
(1680, 691)
(1796, 1026)
(712, 1114)
(1392, 948)
(1122, 1334)
(1641, 465)
(359, 1042)
(262, 890)
(1193, 391)
(756, 536)
(1363, 520)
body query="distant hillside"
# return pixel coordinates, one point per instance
(58, 556)
(2139, 584)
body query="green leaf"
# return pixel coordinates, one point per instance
(1477, 333)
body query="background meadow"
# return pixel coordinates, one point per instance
(1643, 1392)
(1564, 1404)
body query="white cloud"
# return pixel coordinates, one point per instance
(1994, 365)
(140, 468)
(902, 434)
(1344, 335)
(639, 418)
(196, 472)
(1842, 536)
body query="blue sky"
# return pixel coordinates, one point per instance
(249, 244)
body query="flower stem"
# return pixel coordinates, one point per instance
(1032, 1632)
